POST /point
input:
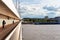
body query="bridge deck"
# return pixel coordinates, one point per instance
(8, 28)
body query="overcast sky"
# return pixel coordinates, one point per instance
(39, 8)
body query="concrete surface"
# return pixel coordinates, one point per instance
(7, 29)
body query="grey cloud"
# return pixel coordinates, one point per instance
(50, 8)
(51, 14)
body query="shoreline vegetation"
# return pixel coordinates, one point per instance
(45, 20)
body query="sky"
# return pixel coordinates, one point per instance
(39, 8)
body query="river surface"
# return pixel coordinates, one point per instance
(40, 32)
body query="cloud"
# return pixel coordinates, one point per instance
(32, 8)
(31, 16)
(50, 8)
(57, 13)
(51, 14)
(30, 1)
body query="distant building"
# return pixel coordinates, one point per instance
(52, 20)
(58, 19)
(46, 17)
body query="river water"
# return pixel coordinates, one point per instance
(41, 32)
